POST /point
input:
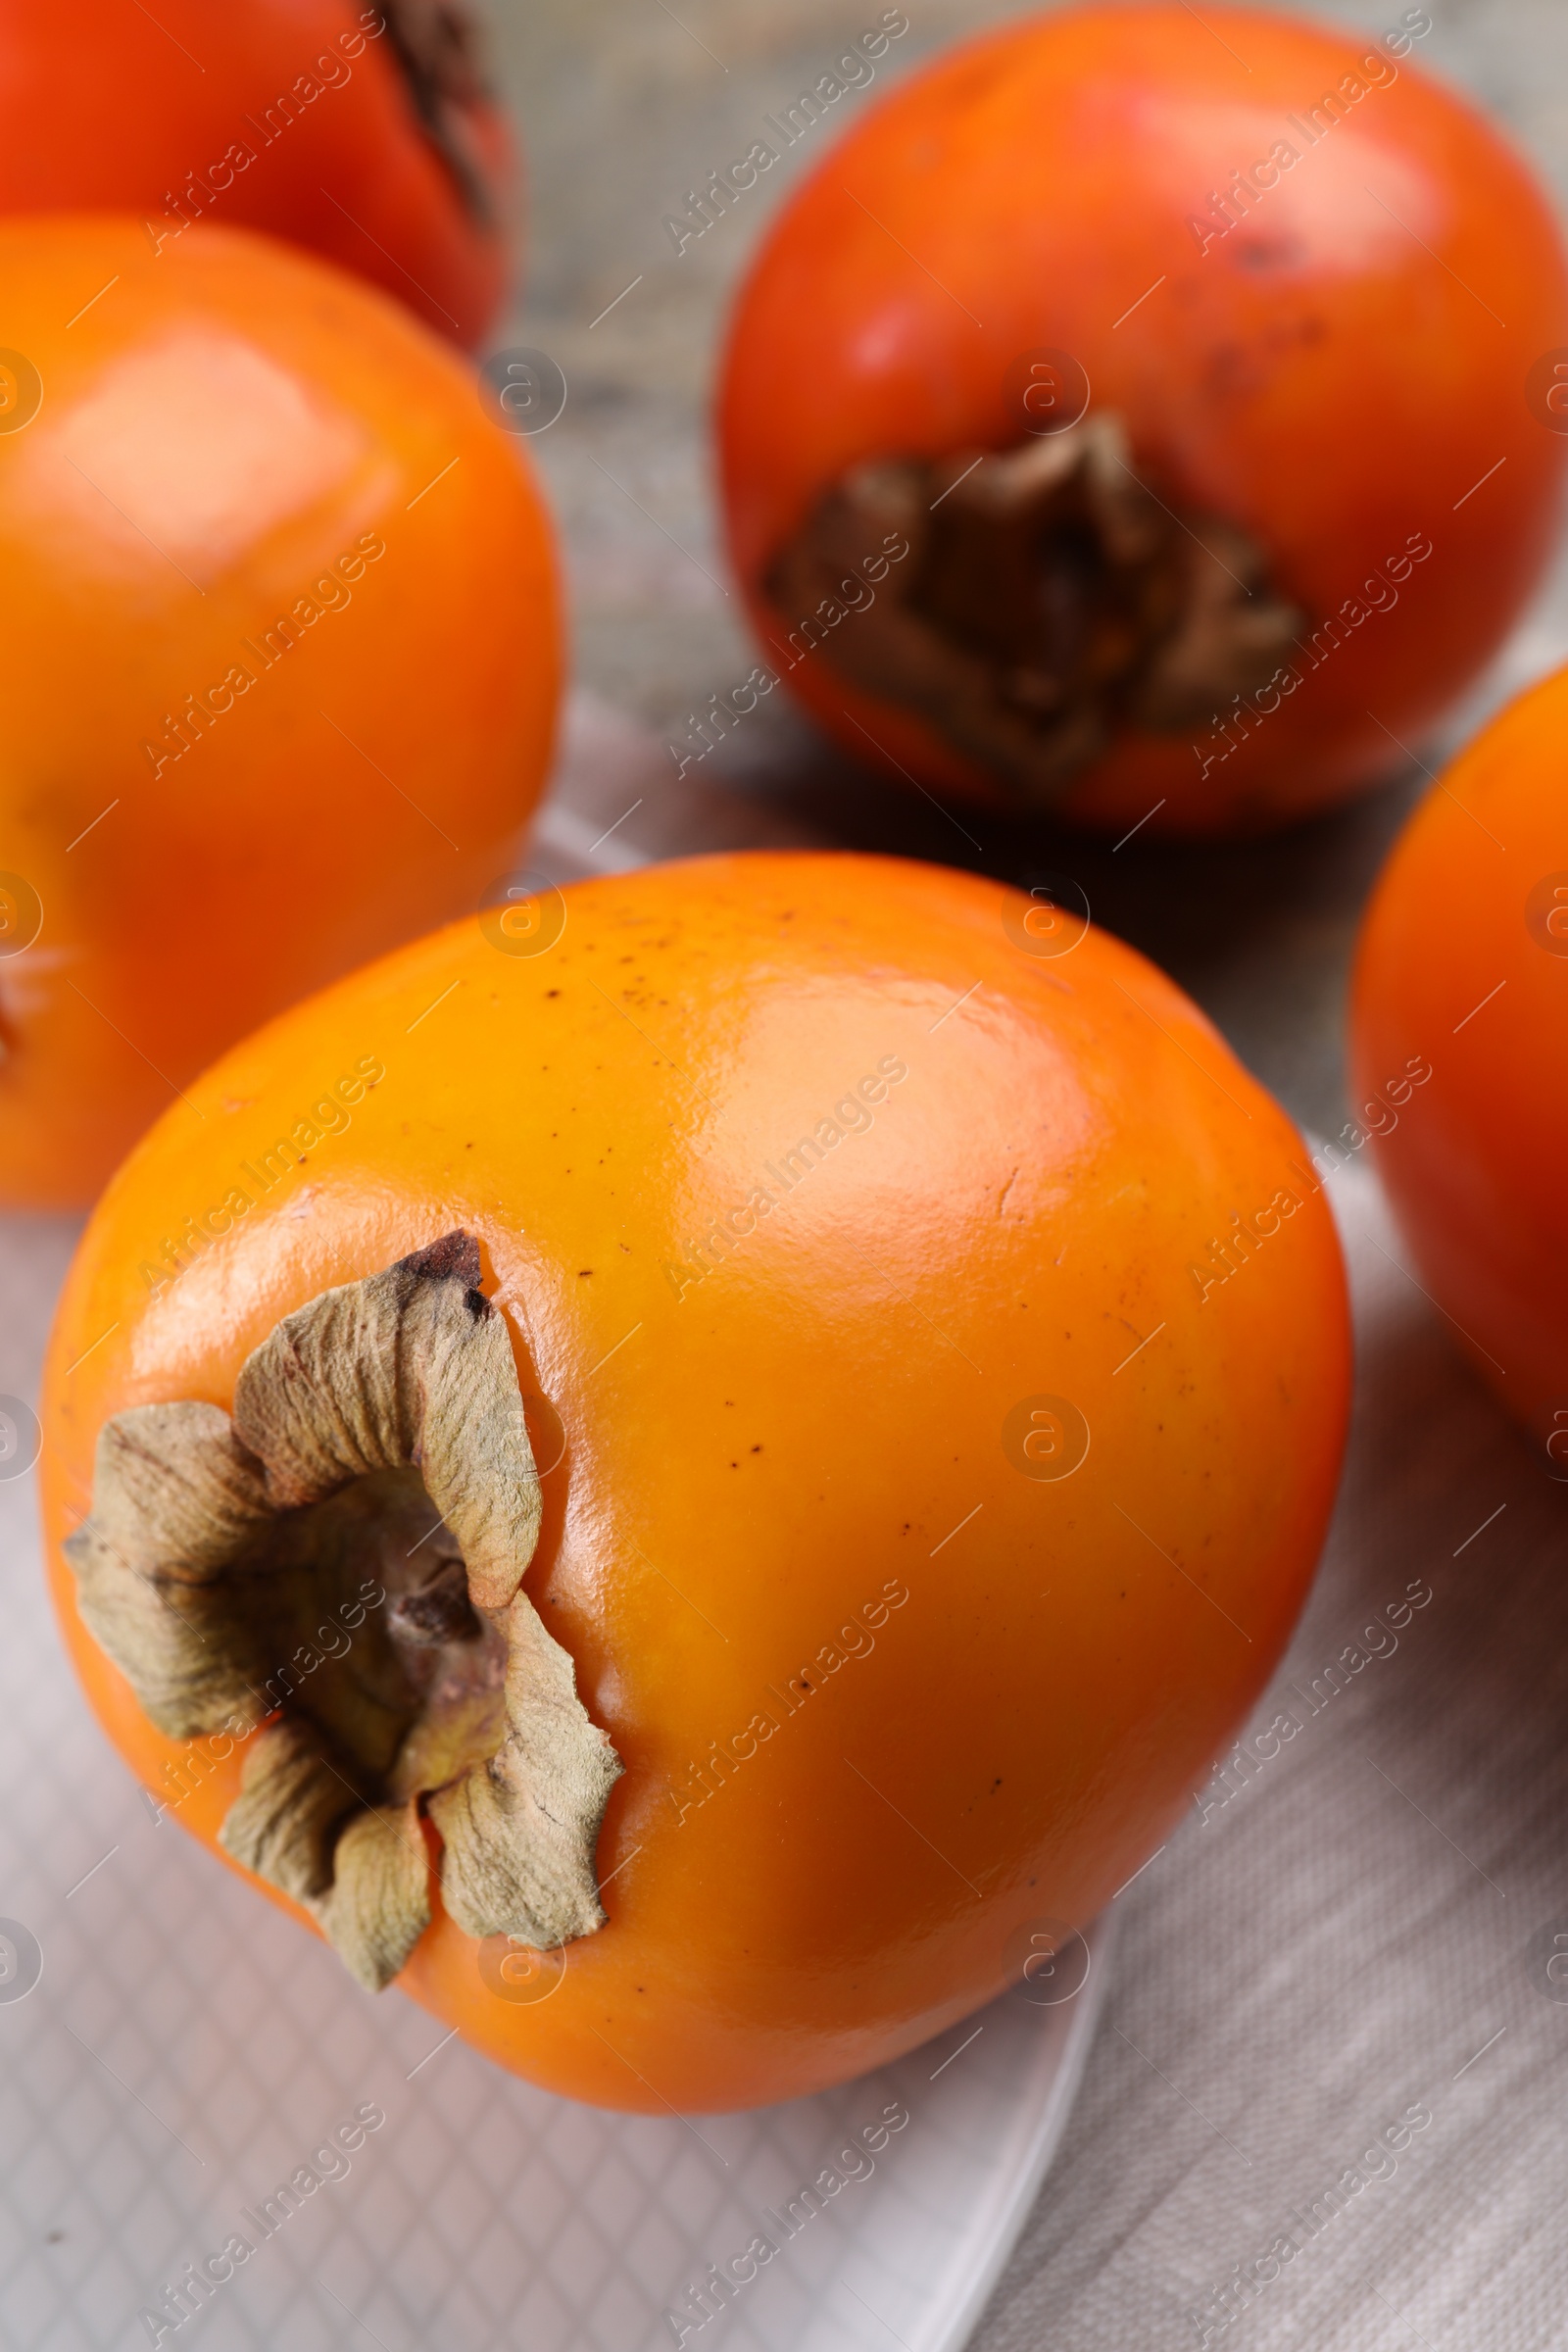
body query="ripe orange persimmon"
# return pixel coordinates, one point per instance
(366, 134)
(280, 662)
(1463, 969)
(1144, 413)
(936, 1370)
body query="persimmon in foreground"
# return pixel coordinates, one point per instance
(750, 1429)
(1463, 971)
(280, 662)
(1143, 413)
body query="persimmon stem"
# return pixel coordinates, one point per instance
(221, 1550)
(439, 53)
(1047, 600)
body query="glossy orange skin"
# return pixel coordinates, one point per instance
(1465, 916)
(219, 430)
(1315, 375)
(752, 1456)
(117, 108)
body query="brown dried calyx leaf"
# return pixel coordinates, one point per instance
(346, 1554)
(1047, 600)
(439, 50)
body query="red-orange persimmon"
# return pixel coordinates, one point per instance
(1295, 290)
(365, 132)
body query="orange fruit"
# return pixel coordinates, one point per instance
(1146, 413)
(281, 661)
(1460, 993)
(366, 134)
(936, 1370)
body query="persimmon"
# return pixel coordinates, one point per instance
(367, 134)
(1462, 979)
(280, 662)
(1140, 414)
(935, 1368)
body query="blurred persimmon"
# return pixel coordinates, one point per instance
(279, 663)
(366, 134)
(1462, 979)
(935, 1354)
(1142, 413)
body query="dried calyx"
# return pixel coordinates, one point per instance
(375, 1478)
(440, 54)
(1048, 599)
